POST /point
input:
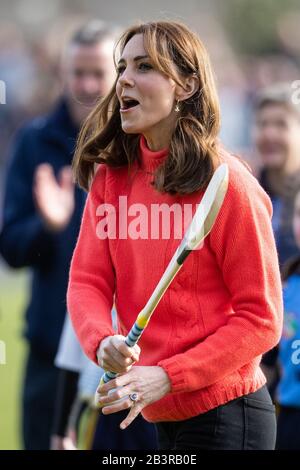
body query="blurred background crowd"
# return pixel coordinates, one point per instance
(252, 43)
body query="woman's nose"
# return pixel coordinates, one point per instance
(126, 79)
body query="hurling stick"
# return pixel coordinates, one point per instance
(198, 229)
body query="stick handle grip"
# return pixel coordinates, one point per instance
(131, 339)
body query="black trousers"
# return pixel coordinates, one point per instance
(39, 393)
(140, 435)
(288, 435)
(247, 423)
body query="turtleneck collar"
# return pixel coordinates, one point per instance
(151, 159)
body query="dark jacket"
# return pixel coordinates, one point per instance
(282, 220)
(24, 241)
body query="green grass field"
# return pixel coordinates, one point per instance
(12, 301)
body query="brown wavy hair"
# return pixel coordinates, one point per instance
(177, 53)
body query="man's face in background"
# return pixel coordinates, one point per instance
(88, 74)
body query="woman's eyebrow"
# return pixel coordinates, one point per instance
(136, 59)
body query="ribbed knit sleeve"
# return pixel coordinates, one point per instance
(91, 282)
(243, 244)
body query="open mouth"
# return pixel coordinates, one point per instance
(128, 104)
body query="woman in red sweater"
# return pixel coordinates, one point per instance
(196, 373)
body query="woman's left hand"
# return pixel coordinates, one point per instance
(150, 383)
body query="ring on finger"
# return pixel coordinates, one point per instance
(134, 397)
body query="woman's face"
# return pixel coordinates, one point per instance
(147, 97)
(276, 136)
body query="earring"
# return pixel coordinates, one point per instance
(177, 107)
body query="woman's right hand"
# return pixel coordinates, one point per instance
(114, 355)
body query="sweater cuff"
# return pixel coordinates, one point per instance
(175, 373)
(95, 341)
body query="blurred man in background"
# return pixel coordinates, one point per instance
(42, 213)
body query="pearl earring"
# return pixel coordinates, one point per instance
(177, 107)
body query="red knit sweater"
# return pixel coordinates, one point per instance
(221, 312)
